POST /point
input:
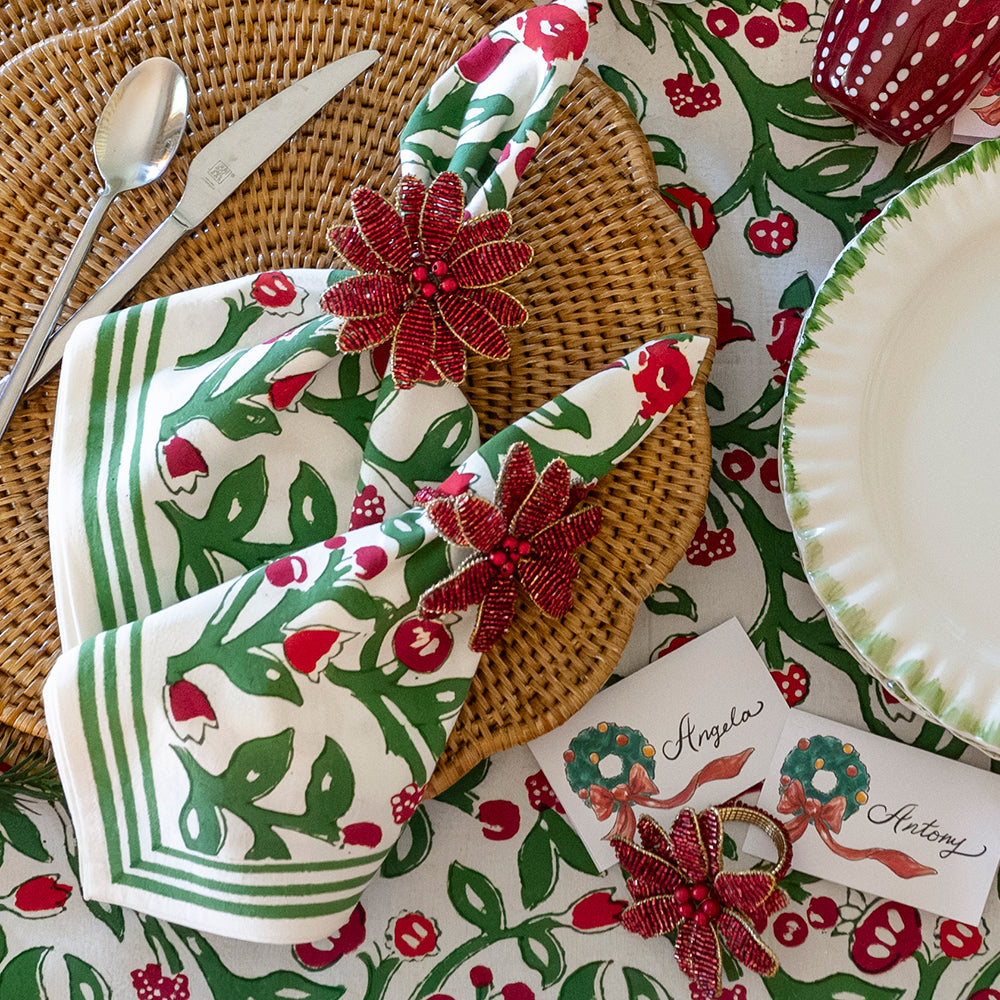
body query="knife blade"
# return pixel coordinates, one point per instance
(215, 173)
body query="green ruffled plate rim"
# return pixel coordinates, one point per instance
(914, 681)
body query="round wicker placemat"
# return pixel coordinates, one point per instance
(613, 267)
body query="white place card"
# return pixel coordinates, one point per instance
(883, 817)
(691, 730)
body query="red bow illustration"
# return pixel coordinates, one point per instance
(828, 818)
(641, 788)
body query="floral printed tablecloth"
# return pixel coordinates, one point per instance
(490, 894)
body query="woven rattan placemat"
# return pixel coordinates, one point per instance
(613, 267)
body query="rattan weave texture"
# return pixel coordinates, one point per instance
(613, 267)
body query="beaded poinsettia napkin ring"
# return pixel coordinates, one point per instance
(679, 885)
(526, 536)
(426, 280)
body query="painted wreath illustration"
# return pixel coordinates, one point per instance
(827, 808)
(612, 768)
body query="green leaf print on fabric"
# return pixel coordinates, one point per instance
(475, 898)
(223, 984)
(238, 395)
(841, 984)
(21, 977)
(541, 952)
(635, 19)
(473, 163)
(85, 982)
(241, 317)
(235, 508)
(551, 840)
(255, 769)
(411, 849)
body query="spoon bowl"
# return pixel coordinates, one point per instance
(141, 127)
(136, 137)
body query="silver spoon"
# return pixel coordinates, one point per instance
(136, 137)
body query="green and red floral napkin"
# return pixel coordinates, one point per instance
(279, 546)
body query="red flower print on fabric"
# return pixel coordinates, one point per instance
(426, 280)
(540, 793)
(189, 710)
(41, 896)
(555, 32)
(368, 508)
(528, 537)
(695, 209)
(596, 911)
(413, 935)
(501, 819)
(151, 984)
(773, 236)
(273, 290)
(689, 99)
(404, 803)
(318, 955)
(183, 458)
(421, 645)
(663, 378)
(483, 58)
(309, 650)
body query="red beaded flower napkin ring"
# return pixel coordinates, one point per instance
(527, 535)
(678, 884)
(426, 280)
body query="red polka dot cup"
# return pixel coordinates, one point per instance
(902, 68)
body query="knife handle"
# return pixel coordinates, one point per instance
(104, 300)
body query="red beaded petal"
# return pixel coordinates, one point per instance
(489, 263)
(469, 585)
(473, 326)
(652, 917)
(382, 229)
(410, 197)
(711, 837)
(744, 890)
(569, 532)
(517, 476)
(545, 502)
(653, 837)
(411, 350)
(448, 356)
(549, 581)
(362, 334)
(648, 867)
(366, 295)
(688, 849)
(480, 522)
(742, 941)
(496, 612)
(348, 242)
(444, 517)
(699, 955)
(503, 307)
(489, 228)
(442, 215)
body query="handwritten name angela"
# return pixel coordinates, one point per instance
(903, 821)
(691, 737)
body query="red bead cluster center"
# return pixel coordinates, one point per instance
(434, 280)
(511, 549)
(699, 902)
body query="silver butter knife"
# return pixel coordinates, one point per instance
(215, 173)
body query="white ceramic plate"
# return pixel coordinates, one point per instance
(890, 446)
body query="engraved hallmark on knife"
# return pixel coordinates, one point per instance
(219, 173)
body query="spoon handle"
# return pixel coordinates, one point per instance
(14, 385)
